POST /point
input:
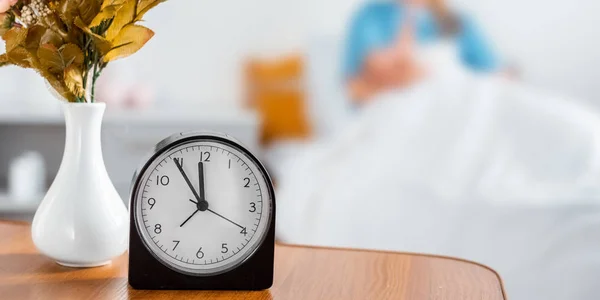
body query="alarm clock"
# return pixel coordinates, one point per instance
(202, 217)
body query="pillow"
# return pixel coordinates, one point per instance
(275, 90)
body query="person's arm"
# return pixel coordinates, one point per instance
(476, 52)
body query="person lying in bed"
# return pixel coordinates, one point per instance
(386, 36)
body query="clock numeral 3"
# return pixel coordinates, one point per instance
(247, 182)
(200, 254)
(252, 207)
(224, 248)
(151, 202)
(176, 244)
(205, 156)
(162, 180)
(157, 229)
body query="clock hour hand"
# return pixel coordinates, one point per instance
(186, 220)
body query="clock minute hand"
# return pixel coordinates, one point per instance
(187, 180)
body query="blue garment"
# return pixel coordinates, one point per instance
(377, 25)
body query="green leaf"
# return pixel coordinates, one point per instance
(131, 39)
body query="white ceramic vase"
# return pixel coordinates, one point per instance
(82, 221)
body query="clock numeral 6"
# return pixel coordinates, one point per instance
(224, 248)
(151, 202)
(200, 254)
(252, 207)
(157, 229)
(205, 156)
(247, 182)
(162, 180)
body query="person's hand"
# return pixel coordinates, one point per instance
(6, 4)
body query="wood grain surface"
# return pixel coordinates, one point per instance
(300, 273)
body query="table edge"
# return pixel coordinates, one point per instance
(446, 257)
(278, 243)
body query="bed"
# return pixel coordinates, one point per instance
(514, 183)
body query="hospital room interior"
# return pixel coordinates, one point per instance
(462, 128)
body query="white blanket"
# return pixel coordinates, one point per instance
(461, 165)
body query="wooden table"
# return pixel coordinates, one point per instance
(300, 273)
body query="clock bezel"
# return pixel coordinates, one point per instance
(175, 141)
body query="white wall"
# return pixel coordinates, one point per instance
(554, 42)
(197, 53)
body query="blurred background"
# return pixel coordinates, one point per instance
(465, 128)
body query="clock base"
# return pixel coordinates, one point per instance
(147, 273)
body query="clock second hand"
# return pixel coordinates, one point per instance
(212, 211)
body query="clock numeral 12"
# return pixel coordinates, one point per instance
(205, 156)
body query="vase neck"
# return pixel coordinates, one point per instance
(83, 128)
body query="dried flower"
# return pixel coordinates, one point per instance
(70, 42)
(28, 16)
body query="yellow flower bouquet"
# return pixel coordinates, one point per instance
(70, 42)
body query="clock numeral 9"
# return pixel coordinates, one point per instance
(151, 202)
(162, 180)
(252, 207)
(224, 248)
(200, 254)
(247, 182)
(157, 229)
(205, 156)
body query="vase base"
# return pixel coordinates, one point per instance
(83, 265)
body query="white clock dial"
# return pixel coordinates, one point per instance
(203, 206)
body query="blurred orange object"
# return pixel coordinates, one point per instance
(275, 89)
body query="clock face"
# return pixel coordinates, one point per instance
(203, 206)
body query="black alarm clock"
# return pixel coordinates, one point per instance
(202, 217)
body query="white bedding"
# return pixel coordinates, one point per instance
(462, 165)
